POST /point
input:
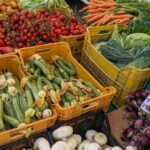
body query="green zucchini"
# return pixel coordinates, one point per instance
(44, 106)
(8, 108)
(65, 75)
(30, 100)
(32, 67)
(17, 112)
(57, 73)
(10, 120)
(93, 88)
(57, 81)
(39, 84)
(44, 69)
(23, 104)
(65, 67)
(81, 93)
(48, 83)
(34, 90)
(2, 126)
(68, 96)
(56, 87)
(7, 125)
(68, 64)
(17, 82)
(37, 71)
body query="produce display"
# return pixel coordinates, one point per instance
(40, 4)
(106, 12)
(19, 107)
(8, 6)
(138, 131)
(126, 50)
(34, 28)
(66, 140)
(63, 87)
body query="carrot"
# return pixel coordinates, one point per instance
(101, 20)
(120, 12)
(95, 23)
(124, 20)
(113, 22)
(89, 16)
(106, 19)
(122, 16)
(96, 17)
(97, 10)
(104, 5)
(84, 9)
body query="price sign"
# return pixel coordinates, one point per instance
(146, 105)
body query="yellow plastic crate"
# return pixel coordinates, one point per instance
(125, 80)
(11, 63)
(62, 49)
(76, 44)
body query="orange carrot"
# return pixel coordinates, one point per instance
(95, 23)
(95, 17)
(84, 9)
(104, 5)
(113, 22)
(120, 12)
(97, 10)
(122, 16)
(124, 20)
(101, 20)
(106, 19)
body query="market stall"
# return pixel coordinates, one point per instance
(74, 75)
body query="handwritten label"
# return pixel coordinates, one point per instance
(146, 105)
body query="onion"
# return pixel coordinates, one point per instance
(94, 146)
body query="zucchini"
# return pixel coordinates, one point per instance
(93, 88)
(81, 93)
(2, 126)
(16, 109)
(39, 84)
(65, 67)
(30, 100)
(68, 64)
(48, 83)
(65, 75)
(17, 82)
(68, 96)
(12, 121)
(32, 67)
(7, 125)
(57, 73)
(8, 108)
(44, 106)
(23, 104)
(34, 90)
(57, 81)
(56, 87)
(44, 69)
(37, 71)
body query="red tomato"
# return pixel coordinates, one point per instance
(2, 43)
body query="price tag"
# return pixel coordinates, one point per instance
(146, 105)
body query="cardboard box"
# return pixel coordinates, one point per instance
(118, 122)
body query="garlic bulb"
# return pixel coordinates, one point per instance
(94, 146)
(90, 134)
(116, 148)
(131, 148)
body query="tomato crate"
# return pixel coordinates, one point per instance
(62, 49)
(11, 63)
(97, 120)
(125, 80)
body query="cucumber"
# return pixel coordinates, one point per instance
(68, 64)
(93, 88)
(8, 108)
(17, 112)
(30, 100)
(23, 104)
(2, 126)
(64, 67)
(10, 120)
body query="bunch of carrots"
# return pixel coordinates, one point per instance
(102, 12)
